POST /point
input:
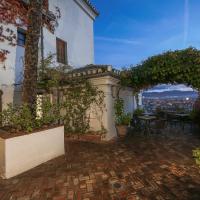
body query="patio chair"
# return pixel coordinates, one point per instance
(159, 126)
(186, 121)
(136, 123)
(172, 120)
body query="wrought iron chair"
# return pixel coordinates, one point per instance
(158, 126)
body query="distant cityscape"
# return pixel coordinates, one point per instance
(170, 100)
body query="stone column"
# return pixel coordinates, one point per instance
(105, 84)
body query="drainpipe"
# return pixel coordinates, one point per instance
(42, 46)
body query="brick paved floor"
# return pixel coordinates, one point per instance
(152, 168)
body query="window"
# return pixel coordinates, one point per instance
(21, 37)
(61, 51)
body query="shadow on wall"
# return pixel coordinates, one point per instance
(17, 96)
(1, 93)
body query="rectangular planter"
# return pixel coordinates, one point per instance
(19, 154)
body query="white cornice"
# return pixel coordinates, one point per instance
(83, 5)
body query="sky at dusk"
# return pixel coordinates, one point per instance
(128, 31)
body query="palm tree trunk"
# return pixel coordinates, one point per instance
(29, 94)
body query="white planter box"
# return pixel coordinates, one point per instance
(19, 154)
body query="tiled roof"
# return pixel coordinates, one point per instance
(88, 2)
(91, 71)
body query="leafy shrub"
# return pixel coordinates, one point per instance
(81, 100)
(195, 114)
(21, 118)
(138, 112)
(50, 112)
(78, 98)
(124, 119)
(17, 118)
(121, 118)
(196, 155)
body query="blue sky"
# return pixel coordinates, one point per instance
(128, 31)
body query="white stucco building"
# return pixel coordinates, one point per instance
(72, 43)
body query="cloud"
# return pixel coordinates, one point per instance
(118, 40)
(186, 21)
(167, 88)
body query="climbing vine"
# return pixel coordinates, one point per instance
(174, 67)
(15, 13)
(78, 99)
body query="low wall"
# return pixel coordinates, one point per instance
(19, 154)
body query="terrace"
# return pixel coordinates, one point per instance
(134, 167)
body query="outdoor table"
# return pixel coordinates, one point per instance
(148, 114)
(179, 118)
(147, 121)
(182, 114)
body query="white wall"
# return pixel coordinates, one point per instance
(105, 84)
(109, 86)
(76, 28)
(129, 102)
(19, 154)
(2, 156)
(7, 71)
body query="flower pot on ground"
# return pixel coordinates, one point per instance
(122, 130)
(122, 124)
(122, 119)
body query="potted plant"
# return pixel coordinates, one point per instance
(122, 119)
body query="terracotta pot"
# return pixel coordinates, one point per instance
(122, 130)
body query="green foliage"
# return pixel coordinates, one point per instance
(196, 155)
(181, 66)
(195, 116)
(119, 107)
(124, 119)
(21, 118)
(138, 112)
(17, 118)
(49, 74)
(121, 118)
(50, 112)
(77, 98)
(80, 101)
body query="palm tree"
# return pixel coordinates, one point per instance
(29, 94)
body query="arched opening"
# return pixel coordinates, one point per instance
(172, 68)
(169, 97)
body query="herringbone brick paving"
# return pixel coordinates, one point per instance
(132, 168)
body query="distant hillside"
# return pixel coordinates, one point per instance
(170, 94)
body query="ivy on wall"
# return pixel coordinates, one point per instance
(78, 99)
(180, 66)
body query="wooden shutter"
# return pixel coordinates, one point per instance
(61, 51)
